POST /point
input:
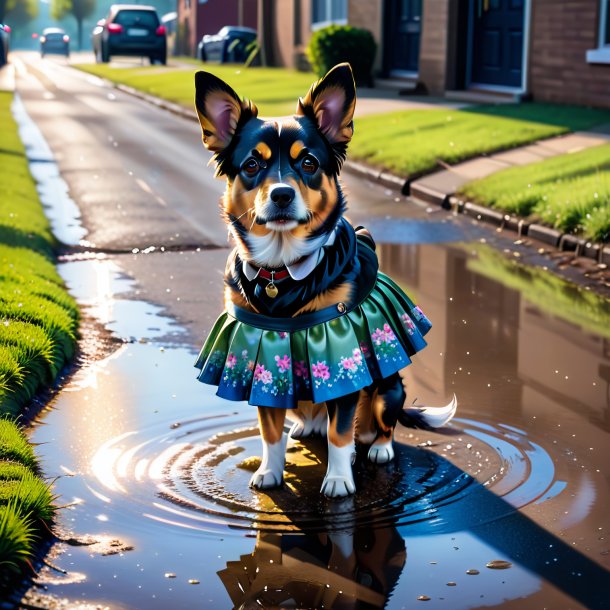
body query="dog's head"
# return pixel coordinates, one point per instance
(283, 197)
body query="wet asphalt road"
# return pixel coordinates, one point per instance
(522, 475)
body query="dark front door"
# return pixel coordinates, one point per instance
(497, 42)
(404, 29)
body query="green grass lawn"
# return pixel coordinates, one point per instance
(273, 90)
(38, 325)
(416, 142)
(409, 142)
(570, 192)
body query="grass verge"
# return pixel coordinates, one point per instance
(415, 142)
(38, 325)
(410, 142)
(570, 192)
(274, 90)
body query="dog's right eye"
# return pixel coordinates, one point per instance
(251, 167)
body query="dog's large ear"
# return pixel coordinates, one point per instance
(219, 110)
(331, 102)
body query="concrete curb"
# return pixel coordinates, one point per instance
(547, 235)
(563, 242)
(378, 175)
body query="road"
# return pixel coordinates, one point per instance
(146, 455)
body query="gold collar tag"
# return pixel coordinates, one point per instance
(271, 288)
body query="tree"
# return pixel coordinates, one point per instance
(79, 8)
(19, 12)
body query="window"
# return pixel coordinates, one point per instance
(325, 12)
(601, 55)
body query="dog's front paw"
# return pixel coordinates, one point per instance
(338, 486)
(381, 453)
(266, 479)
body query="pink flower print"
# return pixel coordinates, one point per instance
(250, 364)
(357, 355)
(283, 335)
(377, 336)
(300, 369)
(407, 321)
(388, 333)
(258, 371)
(283, 363)
(319, 369)
(266, 377)
(349, 364)
(231, 361)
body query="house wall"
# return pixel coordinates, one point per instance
(369, 16)
(186, 26)
(195, 20)
(433, 46)
(561, 35)
(292, 24)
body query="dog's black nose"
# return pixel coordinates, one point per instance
(282, 196)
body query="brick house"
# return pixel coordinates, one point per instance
(199, 17)
(551, 50)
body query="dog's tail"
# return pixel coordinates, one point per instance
(416, 416)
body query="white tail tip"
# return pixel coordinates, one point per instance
(431, 417)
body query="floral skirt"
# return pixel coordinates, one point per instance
(276, 362)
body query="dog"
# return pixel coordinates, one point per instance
(310, 324)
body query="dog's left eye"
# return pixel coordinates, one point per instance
(309, 164)
(251, 167)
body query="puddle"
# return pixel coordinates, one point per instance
(63, 214)
(507, 506)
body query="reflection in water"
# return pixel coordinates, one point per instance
(514, 336)
(520, 476)
(343, 569)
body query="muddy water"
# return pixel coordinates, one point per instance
(506, 507)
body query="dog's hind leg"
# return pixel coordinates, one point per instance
(310, 419)
(387, 405)
(365, 426)
(339, 479)
(271, 471)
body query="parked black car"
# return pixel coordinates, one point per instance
(130, 29)
(54, 40)
(5, 32)
(228, 46)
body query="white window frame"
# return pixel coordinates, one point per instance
(601, 55)
(317, 25)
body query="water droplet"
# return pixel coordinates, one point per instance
(472, 572)
(499, 564)
(423, 598)
(193, 581)
(451, 584)
(170, 575)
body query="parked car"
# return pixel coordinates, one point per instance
(54, 40)
(228, 46)
(5, 32)
(130, 29)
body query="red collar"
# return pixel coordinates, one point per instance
(275, 275)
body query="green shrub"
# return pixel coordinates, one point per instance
(335, 44)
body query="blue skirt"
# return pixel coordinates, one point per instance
(277, 362)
